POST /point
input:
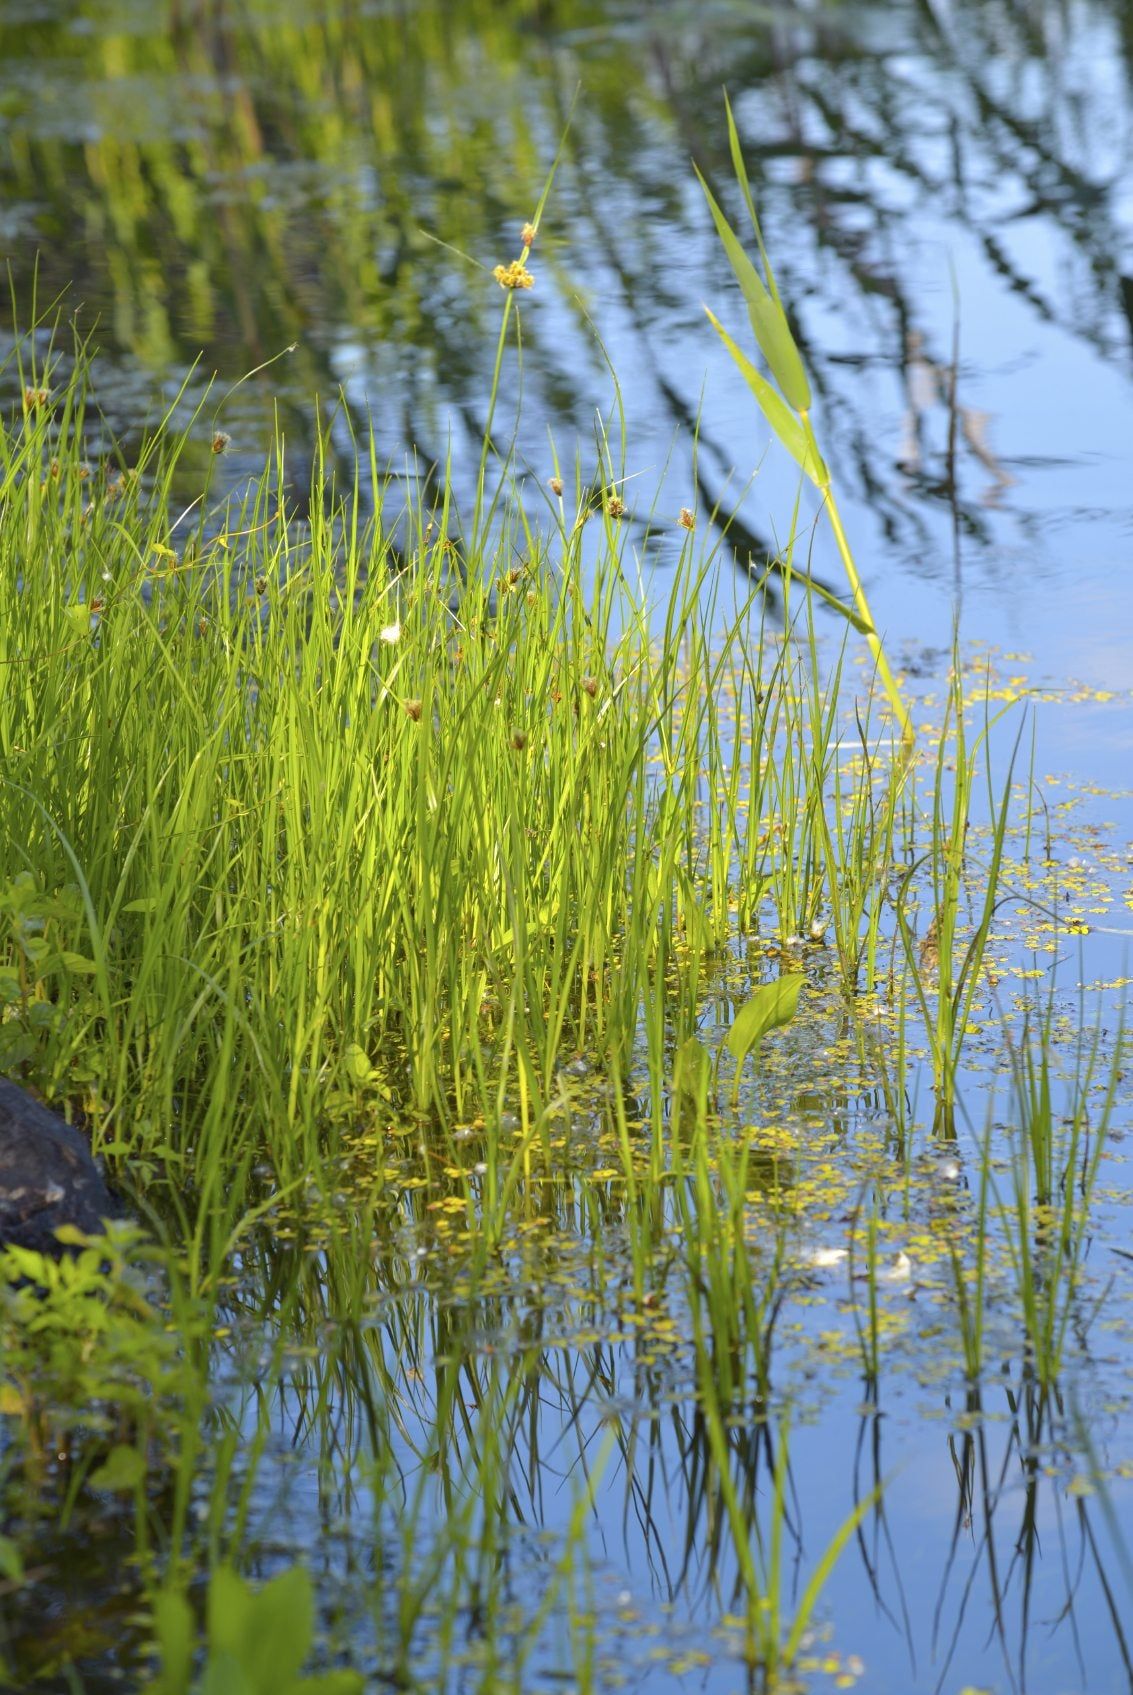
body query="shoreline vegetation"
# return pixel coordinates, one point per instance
(467, 972)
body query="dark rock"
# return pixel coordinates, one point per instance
(47, 1175)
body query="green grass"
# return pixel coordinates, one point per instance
(428, 934)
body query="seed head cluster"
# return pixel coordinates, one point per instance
(515, 275)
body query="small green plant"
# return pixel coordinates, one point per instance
(768, 1008)
(775, 1637)
(1046, 1216)
(87, 1365)
(39, 965)
(946, 969)
(258, 1641)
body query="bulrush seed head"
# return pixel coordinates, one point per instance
(686, 518)
(413, 710)
(515, 275)
(527, 235)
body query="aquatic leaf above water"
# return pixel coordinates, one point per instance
(772, 1005)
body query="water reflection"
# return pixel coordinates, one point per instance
(946, 190)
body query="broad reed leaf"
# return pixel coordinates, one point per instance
(742, 178)
(772, 1005)
(778, 414)
(768, 319)
(862, 625)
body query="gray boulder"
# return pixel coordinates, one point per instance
(47, 1175)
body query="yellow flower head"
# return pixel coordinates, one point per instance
(527, 234)
(515, 275)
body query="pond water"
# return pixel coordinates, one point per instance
(944, 188)
(308, 200)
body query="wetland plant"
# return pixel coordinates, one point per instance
(390, 912)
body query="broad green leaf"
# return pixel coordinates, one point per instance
(229, 1612)
(358, 1063)
(771, 1005)
(11, 1561)
(281, 1630)
(71, 1236)
(742, 178)
(122, 1469)
(692, 1067)
(173, 1627)
(78, 964)
(768, 319)
(226, 1674)
(775, 409)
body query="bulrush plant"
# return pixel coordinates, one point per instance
(1055, 1152)
(337, 852)
(945, 964)
(776, 1640)
(331, 841)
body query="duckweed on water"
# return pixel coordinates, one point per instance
(570, 1066)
